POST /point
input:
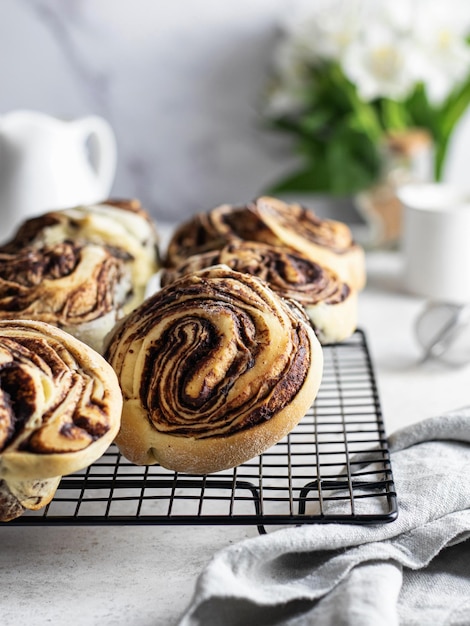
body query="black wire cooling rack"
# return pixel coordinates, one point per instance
(333, 467)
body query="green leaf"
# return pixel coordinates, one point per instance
(344, 164)
(454, 107)
(316, 121)
(449, 115)
(309, 179)
(352, 158)
(394, 115)
(421, 113)
(364, 112)
(440, 121)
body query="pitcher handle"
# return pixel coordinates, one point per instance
(99, 133)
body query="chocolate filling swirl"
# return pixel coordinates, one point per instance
(254, 222)
(122, 227)
(211, 354)
(65, 284)
(290, 274)
(49, 401)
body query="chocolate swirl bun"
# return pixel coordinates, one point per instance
(60, 406)
(81, 288)
(214, 369)
(330, 303)
(122, 225)
(272, 221)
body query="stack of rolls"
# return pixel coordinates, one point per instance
(329, 302)
(80, 269)
(269, 220)
(226, 358)
(301, 256)
(66, 278)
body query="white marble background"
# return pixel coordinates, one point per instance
(179, 81)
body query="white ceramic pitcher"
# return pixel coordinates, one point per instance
(47, 163)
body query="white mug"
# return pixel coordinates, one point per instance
(436, 241)
(45, 164)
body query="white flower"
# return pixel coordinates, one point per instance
(385, 47)
(397, 15)
(323, 33)
(446, 56)
(382, 63)
(325, 29)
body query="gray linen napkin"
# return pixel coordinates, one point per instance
(413, 571)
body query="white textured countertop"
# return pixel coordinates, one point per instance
(144, 576)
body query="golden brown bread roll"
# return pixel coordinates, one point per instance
(330, 303)
(215, 368)
(81, 288)
(122, 225)
(272, 221)
(60, 407)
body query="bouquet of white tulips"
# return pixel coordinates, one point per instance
(349, 73)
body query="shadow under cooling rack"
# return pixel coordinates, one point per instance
(333, 467)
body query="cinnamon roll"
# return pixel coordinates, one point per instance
(60, 406)
(272, 221)
(214, 368)
(330, 304)
(122, 225)
(81, 288)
